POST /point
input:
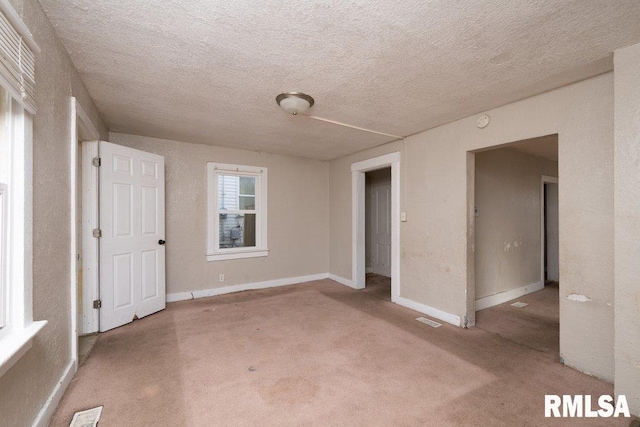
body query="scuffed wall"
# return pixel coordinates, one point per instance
(27, 385)
(507, 223)
(436, 244)
(298, 221)
(627, 224)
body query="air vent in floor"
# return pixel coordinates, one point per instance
(519, 304)
(428, 322)
(88, 418)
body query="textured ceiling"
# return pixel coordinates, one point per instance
(208, 71)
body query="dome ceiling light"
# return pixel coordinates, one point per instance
(298, 102)
(294, 102)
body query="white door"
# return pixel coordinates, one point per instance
(381, 229)
(132, 252)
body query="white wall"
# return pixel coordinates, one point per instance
(298, 218)
(437, 193)
(507, 224)
(627, 224)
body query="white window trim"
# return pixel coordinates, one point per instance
(17, 336)
(3, 266)
(261, 249)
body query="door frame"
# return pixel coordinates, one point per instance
(358, 215)
(545, 179)
(82, 128)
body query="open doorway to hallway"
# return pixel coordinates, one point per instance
(516, 242)
(359, 221)
(378, 231)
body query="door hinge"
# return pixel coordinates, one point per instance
(97, 233)
(97, 304)
(96, 161)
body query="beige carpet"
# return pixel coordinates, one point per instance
(537, 325)
(314, 354)
(85, 345)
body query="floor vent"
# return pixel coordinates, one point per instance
(519, 304)
(88, 418)
(428, 322)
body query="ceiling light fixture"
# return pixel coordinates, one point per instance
(298, 102)
(294, 102)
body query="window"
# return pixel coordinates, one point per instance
(3, 244)
(5, 179)
(17, 327)
(5, 102)
(17, 106)
(237, 211)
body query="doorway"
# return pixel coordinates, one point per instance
(86, 337)
(82, 128)
(378, 222)
(378, 231)
(550, 231)
(124, 254)
(359, 220)
(516, 262)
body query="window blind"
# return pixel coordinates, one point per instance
(17, 62)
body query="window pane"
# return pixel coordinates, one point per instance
(247, 186)
(5, 143)
(228, 192)
(237, 231)
(247, 202)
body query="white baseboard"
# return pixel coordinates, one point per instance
(181, 296)
(49, 407)
(342, 281)
(503, 297)
(429, 311)
(421, 308)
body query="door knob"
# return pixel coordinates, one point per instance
(161, 242)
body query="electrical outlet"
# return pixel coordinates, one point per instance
(221, 278)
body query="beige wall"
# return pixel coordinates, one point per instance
(627, 224)
(436, 178)
(26, 386)
(298, 215)
(507, 225)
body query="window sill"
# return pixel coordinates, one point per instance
(16, 343)
(238, 255)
